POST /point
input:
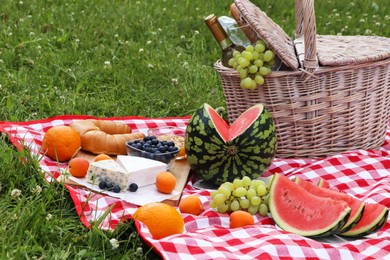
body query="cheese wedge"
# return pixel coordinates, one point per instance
(108, 171)
(142, 171)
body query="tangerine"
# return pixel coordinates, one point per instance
(165, 182)
(61, 143)
(241, 218)
(78, 167)
(161, 219)
(102, 157)
(191, 204)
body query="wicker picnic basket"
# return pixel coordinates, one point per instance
(337, 98)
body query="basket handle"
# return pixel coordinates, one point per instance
(306, 26)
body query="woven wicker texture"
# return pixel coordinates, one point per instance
(269, 31)
(319, 110)
(342, 50)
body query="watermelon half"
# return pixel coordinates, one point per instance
(296, 210)
(373, 219)
(220, 152)
(357, 206)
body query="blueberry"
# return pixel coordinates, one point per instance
(170, 143)
(130, 143)
(139, 146)
(116, 189)
(146, 138)
(109, 186)
(162, 149)
(133, 187)
(102, 185)
(172, 148)
(164, 142)
(154, 141)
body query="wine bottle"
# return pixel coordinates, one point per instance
(227, 46)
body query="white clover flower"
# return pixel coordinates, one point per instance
(32, 34)
(185, 65)
(49, 217)
(116, 35)
(15, 217)
(141, 50)
(182, 37)
(179, 54)
(150, 66)
(175, 81)
(37, 190)
(114, 243)
(15, 193)
(148, 42)
(140, 251)
(196, 32)
(107, 64)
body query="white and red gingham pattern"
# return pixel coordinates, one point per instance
(363, 174)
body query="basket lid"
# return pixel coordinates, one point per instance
(269, 32)
(343, 50)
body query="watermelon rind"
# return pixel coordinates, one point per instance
(373, 219)
(298, 211)
(218, 156)
(357, 206)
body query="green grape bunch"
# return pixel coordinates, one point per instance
(241, 194)
(253, 64)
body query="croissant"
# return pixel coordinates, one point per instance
(101, 136)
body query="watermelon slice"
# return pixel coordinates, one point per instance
(298, 211)
(373, 219)
(357, 206)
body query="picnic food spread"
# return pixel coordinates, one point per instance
(229, 158)
(101, 136)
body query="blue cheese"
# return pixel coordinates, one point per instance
(142, 171)
(108, 171)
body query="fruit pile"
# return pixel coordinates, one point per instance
(253, 64)
(241, 194)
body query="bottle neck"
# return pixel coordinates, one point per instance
(218, 32)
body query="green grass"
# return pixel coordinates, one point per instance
(114, 58)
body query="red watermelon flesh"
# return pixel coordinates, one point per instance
(357, 206)
(373, 219)
(298, 211)
(244, 121)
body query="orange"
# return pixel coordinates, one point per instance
(161, 219)
(78, 167)
(61, 143)
(165, 182)
(182, 152)
(102, 157)
(191, 204)
(241, 218)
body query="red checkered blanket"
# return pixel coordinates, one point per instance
(360, 173)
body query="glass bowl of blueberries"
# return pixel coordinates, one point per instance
(151, 147)
(171, 133)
